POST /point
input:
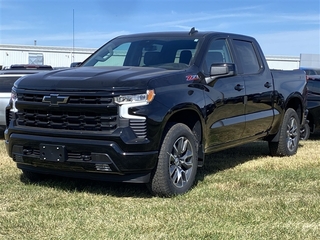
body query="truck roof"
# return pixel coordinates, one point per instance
(192, 33)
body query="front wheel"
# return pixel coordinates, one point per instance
(177, 162)
(289, 135)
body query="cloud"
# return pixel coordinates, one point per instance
(198, 18)
(237, 17)
(315, 18)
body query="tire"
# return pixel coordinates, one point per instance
(289, 135)
(177, 163)
(305, 132)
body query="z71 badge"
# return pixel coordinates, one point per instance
(192, 77)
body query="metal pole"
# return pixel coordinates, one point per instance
(73, 35)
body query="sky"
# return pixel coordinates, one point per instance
(282, 27)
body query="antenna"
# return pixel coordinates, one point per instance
(72, 57)
(192, 31)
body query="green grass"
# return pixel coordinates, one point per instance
(241, 193)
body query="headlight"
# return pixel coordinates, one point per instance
(128, 101)
(138, 98)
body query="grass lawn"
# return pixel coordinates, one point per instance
(241, 193)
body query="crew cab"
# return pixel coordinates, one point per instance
(148, 108)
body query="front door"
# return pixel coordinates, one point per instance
(225, 101)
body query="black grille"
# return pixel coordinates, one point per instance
(67, 120)
(71, 100)
(71, 156)
(86, 113)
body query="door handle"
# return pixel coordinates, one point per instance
(268, 85)
(239, 87)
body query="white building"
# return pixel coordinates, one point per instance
(283, 62)
(54, 56)
(310, 60)
(63, 56)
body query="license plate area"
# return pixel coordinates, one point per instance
(51, 152)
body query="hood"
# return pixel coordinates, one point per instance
(92, 78)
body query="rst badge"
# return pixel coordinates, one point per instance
(55, 99)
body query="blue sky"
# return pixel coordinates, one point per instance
(283, 27)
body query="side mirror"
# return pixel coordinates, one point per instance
(219, 70)
(75, 64)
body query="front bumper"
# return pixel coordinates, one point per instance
(84, 158)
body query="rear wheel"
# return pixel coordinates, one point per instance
(305, 132)
(177, 162)
(289, 135)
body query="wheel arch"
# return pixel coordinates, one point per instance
(190, 116)
(296, 102)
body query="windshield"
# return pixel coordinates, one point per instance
(168, 53)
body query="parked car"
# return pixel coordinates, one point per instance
(313, 102)
(7, 77)
(30, 67)
(148, 108)
(311, 72)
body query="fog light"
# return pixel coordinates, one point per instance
(103, 167)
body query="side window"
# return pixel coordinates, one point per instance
(247, 56)
(218, 52)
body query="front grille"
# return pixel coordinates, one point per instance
(85, 113)
(71, 156)
(86, 121)
(71, 100)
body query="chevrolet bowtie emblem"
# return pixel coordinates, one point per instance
(55, 99)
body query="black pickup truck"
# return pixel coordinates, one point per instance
(148, 108)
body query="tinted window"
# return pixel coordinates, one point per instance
(218, 53)
(169, 53)
(113, 57)
(247, 56)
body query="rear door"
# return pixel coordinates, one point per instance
(258, 87)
